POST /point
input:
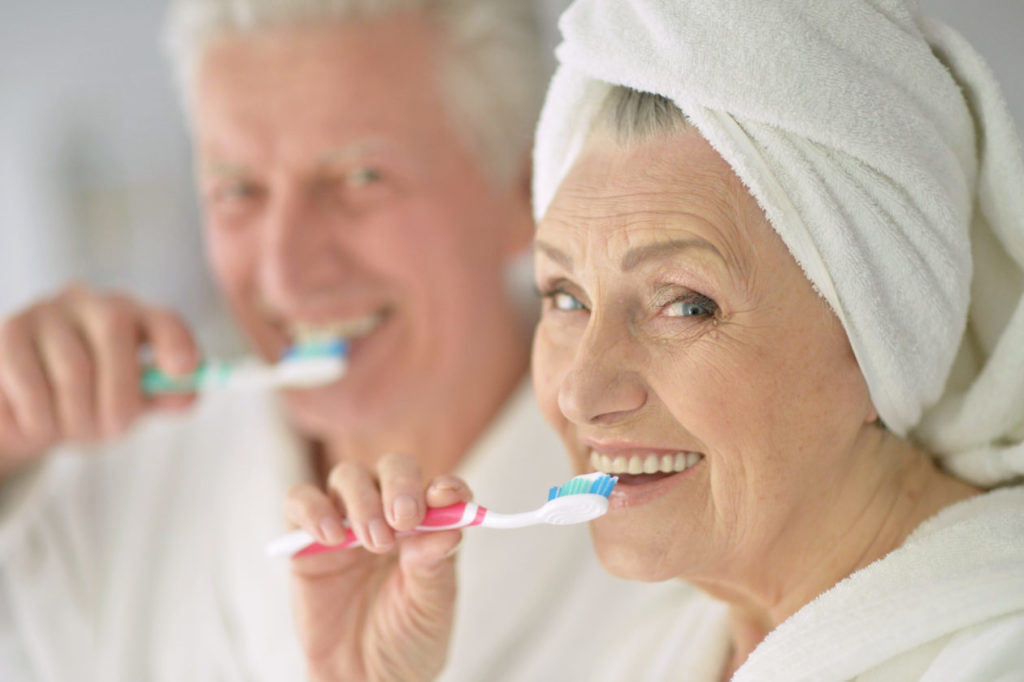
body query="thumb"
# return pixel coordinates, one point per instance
(428, 566)
(422, 624)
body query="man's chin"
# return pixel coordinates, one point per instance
(324, 411)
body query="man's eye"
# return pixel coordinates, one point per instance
(236, 190)
(691, 305)
(360, 177)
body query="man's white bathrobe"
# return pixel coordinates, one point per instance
(143, 561)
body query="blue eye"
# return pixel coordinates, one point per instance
(692, 305)
(563, 300)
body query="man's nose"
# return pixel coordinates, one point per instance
(298, 253)
(602, 386)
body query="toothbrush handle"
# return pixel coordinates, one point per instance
(301, 543)
(209, 373)
(155, 382)
(458, 515)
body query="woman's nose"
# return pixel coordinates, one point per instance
(601, 386)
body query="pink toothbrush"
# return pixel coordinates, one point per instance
(581, 499)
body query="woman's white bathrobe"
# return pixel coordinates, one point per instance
(946, 606)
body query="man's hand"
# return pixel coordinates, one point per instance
(382, 612)
(69, 370)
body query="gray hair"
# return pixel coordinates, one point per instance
(630, 115)
(492, 69)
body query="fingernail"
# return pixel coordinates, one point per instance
(333, 531)
(404, 507)
(378, 532)
(446, 484)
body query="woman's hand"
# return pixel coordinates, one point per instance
(384, 611)
(69, 369)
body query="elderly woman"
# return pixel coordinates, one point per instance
(758, 224)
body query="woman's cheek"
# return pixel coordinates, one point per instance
(550, 361)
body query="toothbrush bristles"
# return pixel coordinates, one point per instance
(317, 348)
(594, 484)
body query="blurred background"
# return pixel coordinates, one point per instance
(95, 175)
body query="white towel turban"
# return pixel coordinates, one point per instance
(880, 148)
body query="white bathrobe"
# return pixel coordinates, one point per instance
(946, 606)
(143, 561)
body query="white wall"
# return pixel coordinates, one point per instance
(95, 175)
(95, 178)
(996, 29)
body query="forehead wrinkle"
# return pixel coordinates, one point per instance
(661, 249)
(687, 209)
(659, 198)
(650, 234)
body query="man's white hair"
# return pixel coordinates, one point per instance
(491, 68)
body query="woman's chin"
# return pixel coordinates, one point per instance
(627, 554)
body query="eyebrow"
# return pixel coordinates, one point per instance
(331, 157)
(354, 150)
(219, 168)
(639, 254)
(554, 253)
(634, 256)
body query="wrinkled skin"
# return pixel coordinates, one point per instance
(676, 321)
(382, 612)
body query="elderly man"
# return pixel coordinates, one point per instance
(362, 164)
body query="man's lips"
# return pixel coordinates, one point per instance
(351, 328)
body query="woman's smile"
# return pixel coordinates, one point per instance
(644, 472)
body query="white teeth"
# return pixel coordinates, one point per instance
(644, 464)
(348, 329)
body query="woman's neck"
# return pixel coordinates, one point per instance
(900, 495)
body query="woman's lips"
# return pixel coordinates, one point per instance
(632, 491)
(644, 474)
(642, 461)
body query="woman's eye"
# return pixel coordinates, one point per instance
(563, 301)
(360, 177)
(694, 305)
